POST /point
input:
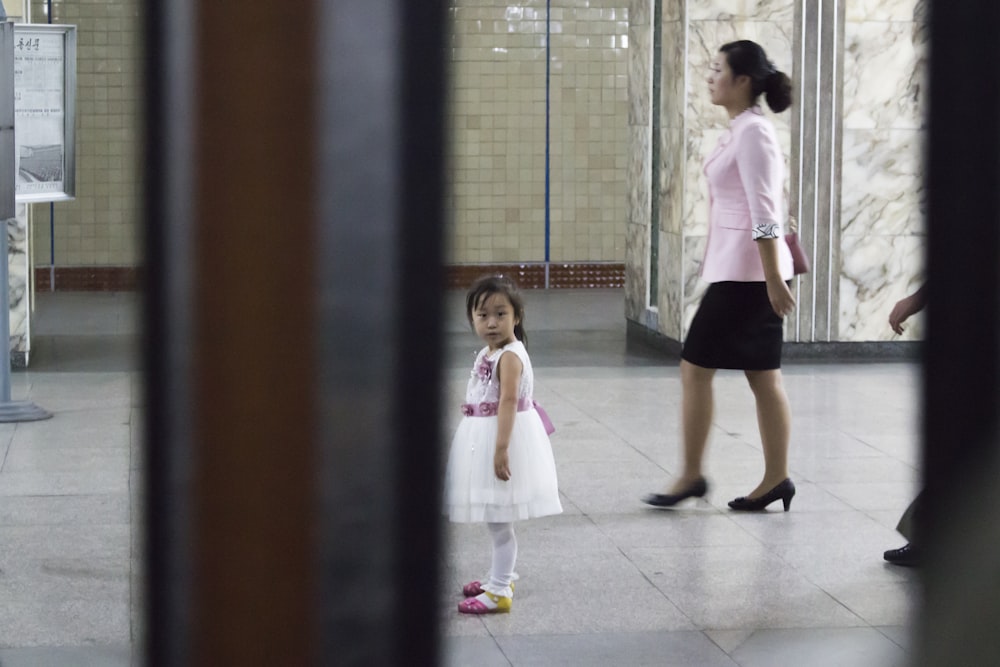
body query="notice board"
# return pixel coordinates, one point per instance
(44, 112)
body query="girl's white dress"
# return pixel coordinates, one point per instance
(472, 491)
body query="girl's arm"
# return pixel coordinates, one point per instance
(509, 369)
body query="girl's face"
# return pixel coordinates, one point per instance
(494, 320)
(725, 89)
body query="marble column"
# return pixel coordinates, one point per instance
(882, 222)
(638, 163)
(852, 139)
(18, 287)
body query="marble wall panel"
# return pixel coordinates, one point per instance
(639, 63)
(705, 39)
(640, 12)
(884, 10)
(673, 75)
(884, 91)
(672, 179)
(694, 286)
(671, 295)
(724, 10)
(877, 271)
(636, 271)
(17, 286)
(637, 175)
(882, 176)
(674, 10)
(883, 75)
(882, 201)
(699, 144)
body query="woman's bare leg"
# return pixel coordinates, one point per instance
(697, 404)
(774, 420)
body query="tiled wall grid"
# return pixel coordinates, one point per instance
(497, 117)
(101, 226)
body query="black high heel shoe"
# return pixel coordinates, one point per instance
(784, 491)
(698, 489)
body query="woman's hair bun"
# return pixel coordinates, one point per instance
(778, 91)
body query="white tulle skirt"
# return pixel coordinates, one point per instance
(472, 491)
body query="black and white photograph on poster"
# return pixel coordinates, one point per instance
(42, 120)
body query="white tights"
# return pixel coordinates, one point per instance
(504, 558)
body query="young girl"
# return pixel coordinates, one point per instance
(500, 468)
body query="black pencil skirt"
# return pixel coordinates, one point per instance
(735, 327)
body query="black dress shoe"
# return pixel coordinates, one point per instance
(906, 555)
(784, 492)
(698, 489)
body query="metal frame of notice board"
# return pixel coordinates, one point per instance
(45, 112)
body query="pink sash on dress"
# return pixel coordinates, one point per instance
(485, 409)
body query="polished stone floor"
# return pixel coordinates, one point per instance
(609, 582)
(69, 489)
(613, 582)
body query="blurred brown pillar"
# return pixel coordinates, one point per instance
(293, 342)
(253, 330)
(231, 335)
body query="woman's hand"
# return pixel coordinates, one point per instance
(906, 307)
(781, 298)
(501, 465)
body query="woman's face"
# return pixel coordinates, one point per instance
(724, 89)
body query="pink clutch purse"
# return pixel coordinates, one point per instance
(800, 261)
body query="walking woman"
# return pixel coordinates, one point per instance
(739, 323)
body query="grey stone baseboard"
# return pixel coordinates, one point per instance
(833, 352)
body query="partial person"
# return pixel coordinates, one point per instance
(909, 554)
(740, 320)
(906, 307)
(500, 468)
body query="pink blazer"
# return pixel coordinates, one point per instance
(745, 176)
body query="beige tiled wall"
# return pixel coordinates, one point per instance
(497, 121)
(101, 226)
(497, 130)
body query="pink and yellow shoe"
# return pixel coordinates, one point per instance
(486, 603)
(474, 588)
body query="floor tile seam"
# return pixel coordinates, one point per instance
(110, 559)
(635, 566)
(605, 633)
(88, 526)
(875, 519)
(798, 475)
(728, 653)
(618, 548)
(622, 439)
(907, 647)
(863, 510)
(36, 446)
(863, 622)
(861, 438)
(67, 496)
(496, 640)
(6, 450)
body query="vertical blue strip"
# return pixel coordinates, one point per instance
(52, 206)
(548, 61)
